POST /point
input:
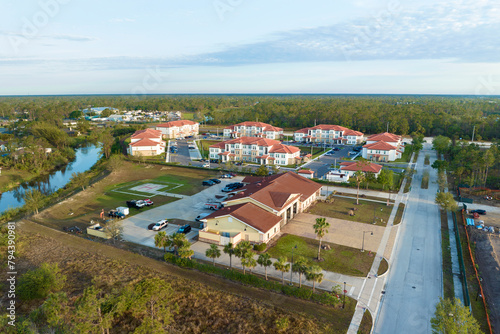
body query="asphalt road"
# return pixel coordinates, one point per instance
(414, 283)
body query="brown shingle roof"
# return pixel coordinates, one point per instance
(249, 214)
(266, 190)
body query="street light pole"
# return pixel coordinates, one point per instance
(343, 303)
(363, 245)
(291, 267)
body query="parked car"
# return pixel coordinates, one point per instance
(226, 176)
(135, 204)
(140, 203)
(116, 214)
(201, 216)
(232, 186)
(160, 224)
(213, 206)
(206, 165)
(148, 202)
(214, 161)
(479, 211)
(336, 149)
(184, 229)
(216, 180)
(191, 147)
(208, 183)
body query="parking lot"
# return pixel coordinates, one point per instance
(135, 228)
(321, 165)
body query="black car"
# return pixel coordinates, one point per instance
(215, 180)
(479, 211)
(208, 183)
(184, 229)
(135, 204)
(214, 161)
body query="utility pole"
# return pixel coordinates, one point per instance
(473, 130)
(387, 126)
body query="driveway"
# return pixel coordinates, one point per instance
(135, 228)
(341, 232)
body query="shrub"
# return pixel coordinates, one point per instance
(38, 283)
(260, 247)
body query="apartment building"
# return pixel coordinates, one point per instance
(383, 147)
(329, 134)
(253, 129)
(176, 129)
(257, 150)
(146, 142)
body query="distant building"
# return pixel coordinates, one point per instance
(176, 129)
(337, 176)
(328, 134)
(309, 174)
(146, 143)
(258, 150)
(350, 168)
(383, 147)
(253, 129)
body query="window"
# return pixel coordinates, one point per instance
(230, 219)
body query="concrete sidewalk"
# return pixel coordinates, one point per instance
(383, 195)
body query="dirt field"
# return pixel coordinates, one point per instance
(206, 302)
(488, 259)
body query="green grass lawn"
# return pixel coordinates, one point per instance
(399, 214)
(425, 180)
(10, 178)
(364, 213)
(204, 146)
(397, 178)
(316, 151)
(339, 259)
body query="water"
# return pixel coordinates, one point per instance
(85, 158)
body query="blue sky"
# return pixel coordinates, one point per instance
(249, 46)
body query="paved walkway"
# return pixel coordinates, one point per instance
(373, 193)
(455, 268)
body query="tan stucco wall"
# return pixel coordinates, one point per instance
(234, 226)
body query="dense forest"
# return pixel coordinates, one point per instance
(451, 116)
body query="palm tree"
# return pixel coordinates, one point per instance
(265, 261)
(313, 273)
(320, 228)
(213, 252)
(161, 239)
(300, 266)
(228, 249)
(184, 249)
(282, 266)
(359, 177)
(248, 261)
(242, 248)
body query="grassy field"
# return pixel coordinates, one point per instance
(366, 323)
(339, 259)
(206, 303)
(365, 212)
(115, 190)
(10, 178)
(398, 178)
(204, 145)
(316, 151)
(399, 214)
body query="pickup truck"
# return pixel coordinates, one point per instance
(135, 204)
(213, 206)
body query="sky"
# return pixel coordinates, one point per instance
(249, 46)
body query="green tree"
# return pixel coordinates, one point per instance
(90, 313)
(107, 140)
(446, 201)
(185, 250)
(314, 274)
(115, 162)
(358, 178)
(161, 240)
(300, 266)
(229, 250)
(33, 200)
(213, 252)
(283, 266)
(80, 180)
(262, 171)
(56, 311)
(417, 141)
(75, 114)
(106, 112)
(151, 305)
(248, 261)
(265, 261)
(386, 178)
(441, 144)
(440, 165)
(39, 282)
(320, 228)
(452, 317)
(242, 248)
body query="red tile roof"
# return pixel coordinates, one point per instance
(249, 141)
(364, 166)
(350, 132)
(249, 214)
(220, 145)
(380, 145)
(386, 136)
(280, 148)
(305, 171)
(175, 123)
(147, 133)
(265, 126)
(329, 127)
(145, 142)
(304, 130)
